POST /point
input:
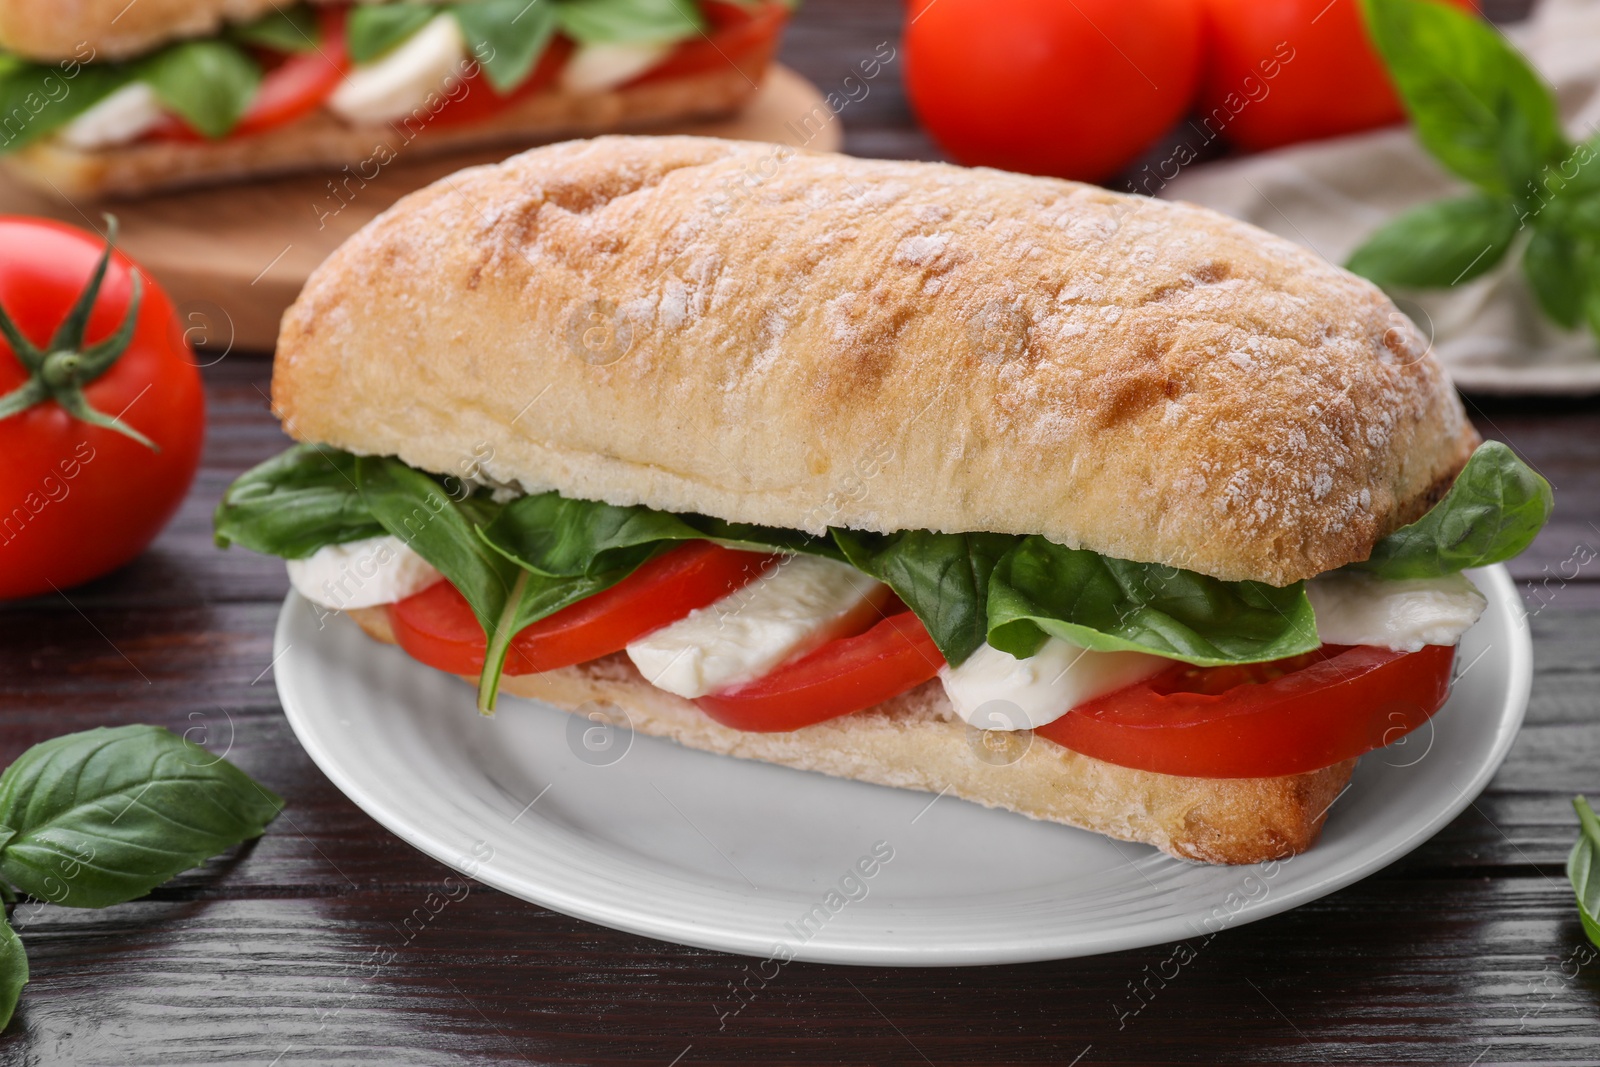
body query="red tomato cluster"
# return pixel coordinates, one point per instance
(1081, 89)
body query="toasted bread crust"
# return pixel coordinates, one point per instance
(915, 742)
(806, 340)
(104, 30)
(323, 141)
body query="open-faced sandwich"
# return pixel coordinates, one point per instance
(1105, 510)
(110, 97)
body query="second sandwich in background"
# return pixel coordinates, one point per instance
(116, 99)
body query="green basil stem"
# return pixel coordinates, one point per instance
(499, 644)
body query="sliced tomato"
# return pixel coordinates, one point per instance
(302, 82)
(1264, 720)
(437, 626)
(843, 676)
(746, 37)
(476, 99)
(293, 88)
(742, 36)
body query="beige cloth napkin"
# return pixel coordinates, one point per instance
(1330, 195)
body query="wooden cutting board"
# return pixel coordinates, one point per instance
(233, 257)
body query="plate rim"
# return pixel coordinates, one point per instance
(1518, 665)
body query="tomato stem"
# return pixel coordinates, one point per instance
(61, 369)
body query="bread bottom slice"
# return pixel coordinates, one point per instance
(915, 741)
(321, 140)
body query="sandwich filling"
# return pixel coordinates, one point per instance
(770, 629)
(398, 65)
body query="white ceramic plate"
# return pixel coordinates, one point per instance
(636, 833)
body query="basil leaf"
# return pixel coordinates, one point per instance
(531, 598)
(208, 83)
(1556, 274)
(562, 537)
(507, 36)
(287, 29)
(1476, 104)
(106, 815)
(503, 596)
(1586, 159)
(944, 578)
(295, 503)
(413, 507)
(1041, 588)
(629, 21)
(566, 550)
(1493, 511)
(36, 99)
(373, 29)
(13, 971)
(1439, 244)
(1583, 869)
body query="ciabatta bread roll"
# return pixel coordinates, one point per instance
(809, 341)
(116, 29)
(742, 330)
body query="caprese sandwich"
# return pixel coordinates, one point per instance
(118, 98)
(1105, 510)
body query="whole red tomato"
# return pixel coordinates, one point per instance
(100, 431)
(1071, 88)
(1282, 71)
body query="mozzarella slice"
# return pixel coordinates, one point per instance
(397, 84)
(594, 68)
(994, 690)
(794, 606)
(1359, 609)
(361, 574)
(120, 118)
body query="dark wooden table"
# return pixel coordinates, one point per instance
(1468, 951)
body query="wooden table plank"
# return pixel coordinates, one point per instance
(1467, 951)
(1422, 971)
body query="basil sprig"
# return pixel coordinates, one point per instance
(629, 21)
(944, 578)
(563, 537)
(509, 36)
(517, 562)
(1111, 605)
(13, 971)
(209, 84)
(1486, 116)
(504, 597)
(92, 819)
(373, 29)
(1492, 512)
(37, 99)
(298, 501)
(1583, 868)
